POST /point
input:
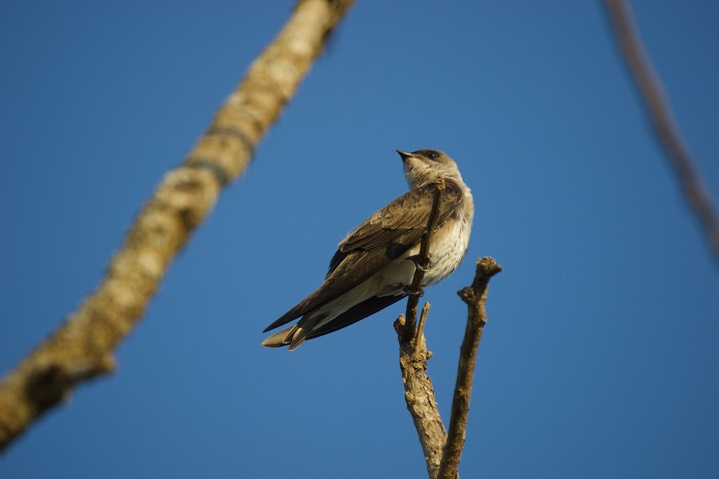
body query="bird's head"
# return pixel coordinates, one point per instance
(423, 167)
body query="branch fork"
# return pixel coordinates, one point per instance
(442, 450)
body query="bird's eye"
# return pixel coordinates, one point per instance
(431, 154)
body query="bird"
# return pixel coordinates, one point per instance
(374, 265)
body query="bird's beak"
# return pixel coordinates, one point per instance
(404, 155)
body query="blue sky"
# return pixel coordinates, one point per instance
(600, 356)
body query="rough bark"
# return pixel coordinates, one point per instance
(419, 397)
(442, 450)
(475, 297)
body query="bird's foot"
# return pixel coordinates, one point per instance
(409, 290)
(419, 264)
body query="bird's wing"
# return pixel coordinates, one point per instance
(400, 223)
(383, 237)
(356, 313)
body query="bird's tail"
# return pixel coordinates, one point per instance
(280, 338)
(292, 336)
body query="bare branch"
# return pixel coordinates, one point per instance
(420, 399)
(413, 357)
(420, 325)
(475, 297)
(660, 114)
(82, 347)
(442, 451)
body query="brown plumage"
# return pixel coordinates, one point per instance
(373, 265)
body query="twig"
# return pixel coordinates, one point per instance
(420, 326)
(422, 261)
(475, 297)
(665, 127)
(82, 347)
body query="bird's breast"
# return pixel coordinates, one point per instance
(448, 246)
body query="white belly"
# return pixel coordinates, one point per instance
(447, 248)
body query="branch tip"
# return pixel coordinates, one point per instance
(487, 267)
(419, 335)
(475, 296)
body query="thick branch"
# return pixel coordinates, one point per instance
(82, 347)
(475, 297)
(420, 398)
(665, 127)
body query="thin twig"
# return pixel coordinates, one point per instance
(82, 347)
(422, 261)
(660, 114)
(475, 297)
(420, 325)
